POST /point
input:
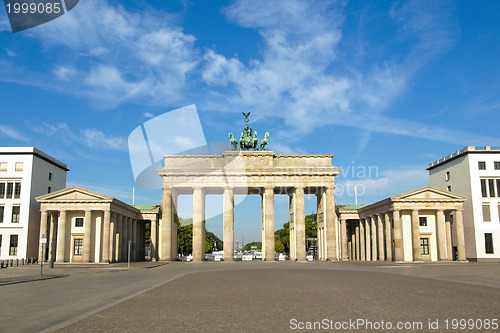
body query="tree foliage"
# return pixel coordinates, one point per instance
(283, 235)
(185, 238)
(248, 246)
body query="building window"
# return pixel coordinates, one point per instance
(447, 176)
(423, 221)
(13, 245)
(496, 165)
(3, 166)
(498, 187)
(2, 211)
(484, 190)
(16, 210)
(19, 166)
(448, 188)
(50, 175)
(481, 165)
(488, 243)
(491, 185)
(2, 190)
(17, 191)
(424, 246)
(0, 245)
(10, 189)
(486, 212)
(49, 189)
(78, 248)
(79, 222)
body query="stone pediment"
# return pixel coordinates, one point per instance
(428, 193)
(74, 193)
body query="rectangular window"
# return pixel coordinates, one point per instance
(17, 191)
(13, 245)
(484, 190)
(16, 210)
(497, 165)
(79, 222)
(2, 190)
(491, 185)
(448, 188)
(486, 212)
(0, 245)
(424, 246)
(481, 165)
(488, 243)
(49, 189)
(3, 166)
(498, 187)
(19, 166)
(78, 248)
(447, 175)
(2, 211)
(10, 190)
(423, 221)
(50, 175)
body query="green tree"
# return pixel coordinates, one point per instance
(248, 246)
(212, 242)
(283, 234)
(278, 246)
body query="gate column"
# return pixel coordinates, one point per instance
(198, 224)
(268, 224)
(228, 224)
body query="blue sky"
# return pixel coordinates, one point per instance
(393, 85)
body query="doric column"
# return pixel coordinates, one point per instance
(415, 235)
(51, 236)
(368, 239)
(135, 245)
(381, 250)
(175, 197)
(118, 238)
(449, 247)
(441, 234)
(343, 238)
(330, 218)
(87, 234)
(300, 224)
(228, 223)
(61, 237)
(198, 224)
(268, 221)
(154, 242)
(362, 240)
(398, 236)
(43, 233)
(460, 235)
(388, 236)
(357, 246)
(105, 236)
(374, 237)
(112, 235)
(166, 222)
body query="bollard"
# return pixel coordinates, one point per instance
(17, 262)
(1, 265)
(22, 262)
(11, 262)
(32, 260)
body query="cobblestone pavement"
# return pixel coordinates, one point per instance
(254, 297)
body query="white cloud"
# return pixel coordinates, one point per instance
(148, 115)
(97, 139)
(65, 73)
(10, 132)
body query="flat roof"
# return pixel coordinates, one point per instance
(33, 151)
(463, 152)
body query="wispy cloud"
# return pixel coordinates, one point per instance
(12, 133)
(94, 138)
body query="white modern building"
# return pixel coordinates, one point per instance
(475, 173)
(25, 173)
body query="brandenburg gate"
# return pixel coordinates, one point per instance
(259, 172)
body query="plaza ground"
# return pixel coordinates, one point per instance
(246, 296)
